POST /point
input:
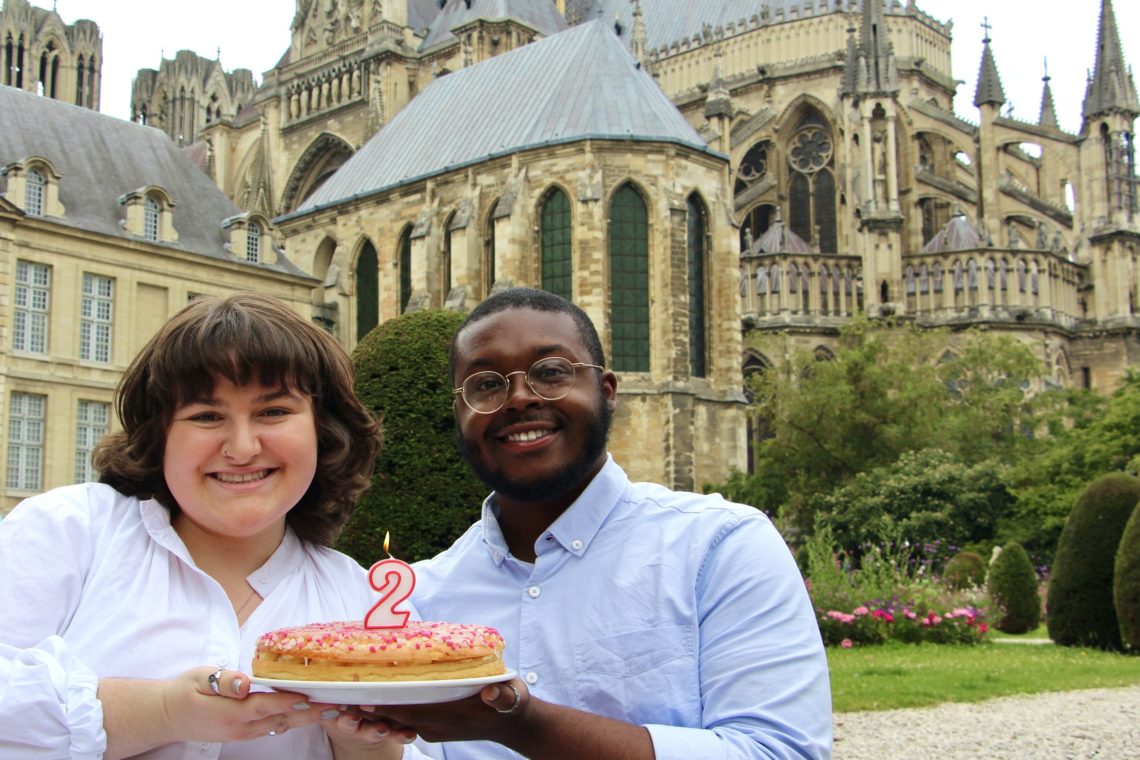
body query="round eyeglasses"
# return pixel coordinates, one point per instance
(550, 379)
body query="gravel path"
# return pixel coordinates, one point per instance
(1100, 723)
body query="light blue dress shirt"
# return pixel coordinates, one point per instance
(681, 612)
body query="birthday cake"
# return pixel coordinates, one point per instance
(348, 651)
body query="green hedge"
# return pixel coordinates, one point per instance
(422, 490)
(1080, 604)
(1126, 584)
(964, 570)
(1013, 587)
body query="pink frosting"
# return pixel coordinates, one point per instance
(418, 641)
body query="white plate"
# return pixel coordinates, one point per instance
(384, 692)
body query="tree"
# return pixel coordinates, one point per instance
(422, 491)
(923, 497)
(1102, 436)
(889, 389)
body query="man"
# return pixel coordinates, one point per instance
(642, 622)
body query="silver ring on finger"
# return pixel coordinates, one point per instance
(271, 733)
(514, 705)
(214, 679)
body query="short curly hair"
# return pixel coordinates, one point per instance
(245, 338)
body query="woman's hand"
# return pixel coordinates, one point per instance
(203, 704)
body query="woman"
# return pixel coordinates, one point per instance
(131, 606)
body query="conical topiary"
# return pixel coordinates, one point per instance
(1012, 585)
(1079, 602)
(1126, 583)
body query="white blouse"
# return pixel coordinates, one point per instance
(96, 584)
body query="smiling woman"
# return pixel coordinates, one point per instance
(133, 605)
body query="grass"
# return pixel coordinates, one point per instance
(897, 675)
(1039, 633)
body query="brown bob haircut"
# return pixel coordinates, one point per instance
(246, 338)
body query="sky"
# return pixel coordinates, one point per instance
(254, 35)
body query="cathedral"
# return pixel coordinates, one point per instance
(718, 184)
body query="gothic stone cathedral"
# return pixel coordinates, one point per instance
(687, 171)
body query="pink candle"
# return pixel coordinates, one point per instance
(394, 579)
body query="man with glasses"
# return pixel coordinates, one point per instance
(641, 622)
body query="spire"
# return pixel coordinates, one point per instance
(1048, 116)
(989, 83)
(718, 102)
(1111, 88)
(871, 67)
(639, 36)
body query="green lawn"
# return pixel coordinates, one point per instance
(898, 675)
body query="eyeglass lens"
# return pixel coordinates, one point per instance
(550, 379)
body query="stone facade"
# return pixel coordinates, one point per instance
(41, 54)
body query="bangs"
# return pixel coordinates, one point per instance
(240, 345)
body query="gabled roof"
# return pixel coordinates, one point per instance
(577, 85)
(100, 158)
(540, 15)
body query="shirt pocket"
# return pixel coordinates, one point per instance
(643, 676)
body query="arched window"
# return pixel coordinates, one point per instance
(367, 291)
(489, 251)
(253, 243)
(34, 193)
(629, 281)
(151, 212)
(811, 161)
(446, 263)
(405, 268)
(556, 239)
(698, 303)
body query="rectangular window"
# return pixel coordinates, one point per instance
(95, 318)
(30, 319)
(90, 426)
(26, 441)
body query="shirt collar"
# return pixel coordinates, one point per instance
(284, 559)
(576, 527)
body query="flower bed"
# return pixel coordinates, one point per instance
(865, 625)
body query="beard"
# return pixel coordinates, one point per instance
(566, 479)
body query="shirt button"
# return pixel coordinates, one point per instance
(534, 592)
(576, 545)
(532, 678)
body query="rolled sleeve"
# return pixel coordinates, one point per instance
(48, 704)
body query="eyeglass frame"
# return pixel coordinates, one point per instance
(526, 378)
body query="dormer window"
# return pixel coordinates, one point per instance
(150, 214)
(34, 193)
(34, 183)
(250, 238)
(253, 243)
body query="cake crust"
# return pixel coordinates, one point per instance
(347, 651)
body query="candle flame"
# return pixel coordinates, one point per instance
(386, 533)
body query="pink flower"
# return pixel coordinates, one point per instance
(860, 610)
(910, 615)
(847, 643)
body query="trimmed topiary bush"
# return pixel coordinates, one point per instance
(422, 490)
(1079, 600)
(964, 570)
(1012, 586)
(1126, 584)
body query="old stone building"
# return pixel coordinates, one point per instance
(106, 229)
(41, 54)
(802, 155)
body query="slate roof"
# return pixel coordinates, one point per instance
(668, 21)
(100, 158)
(579, 84)
(540, 15)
